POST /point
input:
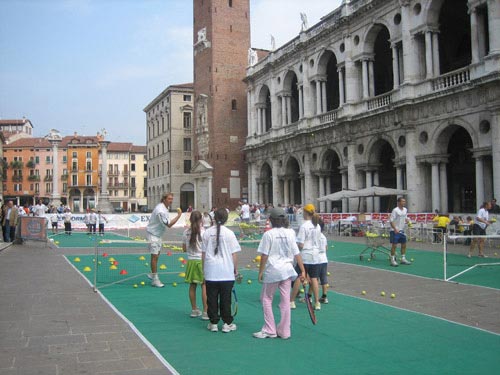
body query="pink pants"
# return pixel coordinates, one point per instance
(266, 297)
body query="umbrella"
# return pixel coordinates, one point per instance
(373, 191)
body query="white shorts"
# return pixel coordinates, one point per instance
(154, 243)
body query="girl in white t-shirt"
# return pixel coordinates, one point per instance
(219, 258)
(308, 241)
(191, 243)
(278, 251)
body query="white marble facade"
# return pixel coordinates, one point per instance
(402, 94)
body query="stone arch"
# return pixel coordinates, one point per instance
(264, 99)
(455, 143)
(377, 43)
(292, 184)
(327, 66)
(265, 182)
(331, 164)
(290, 81)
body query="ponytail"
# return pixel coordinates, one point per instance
(220, 217)
(315, 219)
(196, 220)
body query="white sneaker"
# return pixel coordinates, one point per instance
(293, 306)
(394, 263)
(228, 327)
(157, 283)
(213, 327)
(195, 313)
(263, 335)
(317, 306)
(204, 316)
(404, 261)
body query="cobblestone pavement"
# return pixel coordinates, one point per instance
(51, 322)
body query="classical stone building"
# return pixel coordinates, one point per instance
(170, 146)
(395, 93)
(221, 42)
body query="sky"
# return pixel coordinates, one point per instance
(88, 65)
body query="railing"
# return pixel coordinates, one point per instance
(17, 178)
(330, 116)
(379, 101)
(34, 177)
(455, 78)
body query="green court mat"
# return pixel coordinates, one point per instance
(353, 336)
(425, 264)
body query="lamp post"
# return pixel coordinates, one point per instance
(104, 203)
(55, 139)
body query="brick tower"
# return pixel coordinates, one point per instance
(221, 43)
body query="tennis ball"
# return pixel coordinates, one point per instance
(163, 267)
(249, 266)
(87, 269)
(495, 254)
(182, 274)
(328, 273)
(76, 260)
(363, 292)
(143, 283)
(249, 281)
(174, 284)
(412, 260)
(142, 257)
(369, 259)
(382, 293)
(302, 290)
(136, 286)
(57, 242)
(393, 295)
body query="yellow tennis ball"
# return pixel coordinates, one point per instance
(363, 292)
(328, 273)
(174, 284)
(393, 295)
(249, 281)
(143, 283)
(136, 286)
(382, 294)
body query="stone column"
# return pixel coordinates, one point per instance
(283, 110)
(495, 151)
(409, 52)
(276, 183)
(328, 190)
(479, 181)
(323, 96)
(55, 139)
(371, 79)
(341, 87)
(366, 92)
(286, 191)
(303, 190)
(301, 102)
(435, 186)
(344, 187)
(308, 187)
(435, 54)
(494, 26)
(264, 120)
(443, 187)
(395, 65)
(289, 109)
(428, 55)
(369, 200)
(210, 192)
(474, 36)
(195, 202)
(259, 120)
(250, 117)
(104, 204)
(321, 192)
(352, 182)
(291, 191)
(318, 97)
(376, 200)
(399, 177)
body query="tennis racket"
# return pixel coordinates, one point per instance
(234, 304)
(309, 305)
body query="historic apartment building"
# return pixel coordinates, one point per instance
(127, 176)
(28, 172)
(221, 42)
(169, 119)
(401, 93)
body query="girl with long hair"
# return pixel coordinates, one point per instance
(219, 258)
(191, 243)
(309, 242)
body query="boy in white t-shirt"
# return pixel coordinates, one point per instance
(398, 219)
(278, 250)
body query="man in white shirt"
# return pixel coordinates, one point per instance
(40, 209)
(479, 229)
(398, 219)
(245, 212)
(158, 222)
